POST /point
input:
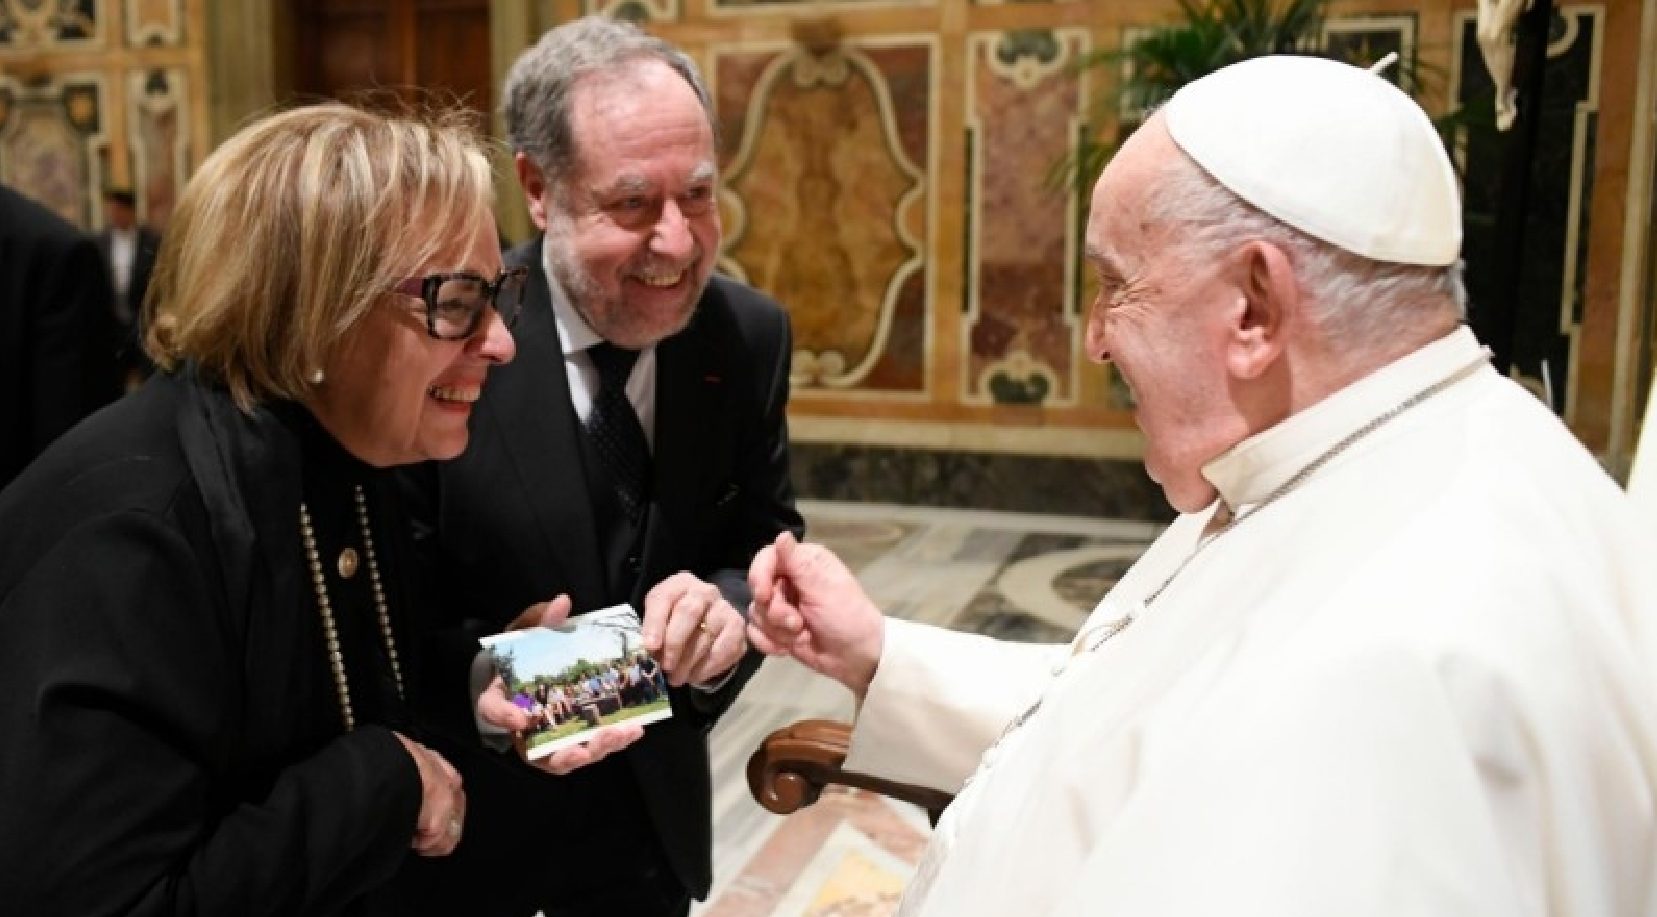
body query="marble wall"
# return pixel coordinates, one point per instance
(100, 93)
(1024, 109)
(887, 177)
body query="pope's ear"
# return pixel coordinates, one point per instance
(534, 183)
(1267, 311)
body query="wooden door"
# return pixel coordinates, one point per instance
(360, 50)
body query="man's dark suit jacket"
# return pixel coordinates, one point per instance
(56, 365)
(515, 525)
(128, 334)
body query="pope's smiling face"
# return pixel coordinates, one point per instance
(1162, 322)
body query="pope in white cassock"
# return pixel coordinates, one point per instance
(1396, 655)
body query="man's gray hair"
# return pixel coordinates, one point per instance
(1361, 302)
(538, 90)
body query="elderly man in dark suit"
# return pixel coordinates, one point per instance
(635, 452)
(55, 362)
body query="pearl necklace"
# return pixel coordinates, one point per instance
(330, 632)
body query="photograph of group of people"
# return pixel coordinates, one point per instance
(587, 673)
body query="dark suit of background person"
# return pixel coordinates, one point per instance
(519, 521)
(128, 300)
(56, 365)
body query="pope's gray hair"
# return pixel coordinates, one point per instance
(1361, 302)
(540, 85)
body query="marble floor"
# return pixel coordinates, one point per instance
(1016, 576)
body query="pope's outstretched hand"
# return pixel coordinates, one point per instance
(809, 606)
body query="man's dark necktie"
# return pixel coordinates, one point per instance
(617, 436)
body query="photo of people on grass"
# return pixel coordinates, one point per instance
(591, 671)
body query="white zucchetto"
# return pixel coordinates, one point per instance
(1333, 150)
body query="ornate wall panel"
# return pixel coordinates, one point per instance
(636, 10)
(101, 93)
(855, 150)
(1025, 107)
(52, 25)
(51, 135)
(155, 23)
(824, 199)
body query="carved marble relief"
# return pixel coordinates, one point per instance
(158, 140)
(1024, 110)
(825, 198)
(154, 23)
(46, 25)
(1554, 266)
(51, 135)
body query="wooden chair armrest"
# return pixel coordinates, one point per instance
(790, 768)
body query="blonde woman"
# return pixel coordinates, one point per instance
(206, 644)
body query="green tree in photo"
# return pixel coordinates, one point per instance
(506, 664)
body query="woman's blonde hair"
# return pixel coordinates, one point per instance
(298, 225)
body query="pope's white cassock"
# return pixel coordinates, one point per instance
(1421, 682)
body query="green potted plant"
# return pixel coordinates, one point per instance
(1209, 35)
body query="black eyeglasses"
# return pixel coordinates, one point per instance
(455, 302)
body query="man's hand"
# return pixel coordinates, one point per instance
(496, 708)
(809, 606)
(442, 801)
(691, 630)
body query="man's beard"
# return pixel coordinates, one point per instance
(591, 302)
(575, 280)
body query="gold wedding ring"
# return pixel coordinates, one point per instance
(454, 827)
(704, 628)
